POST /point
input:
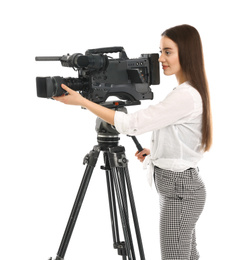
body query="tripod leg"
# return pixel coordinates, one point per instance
(124, 215)
(119, 169)
(113, 211)
(91, 160)
(134, 213)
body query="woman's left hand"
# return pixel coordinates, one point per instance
(73, 97)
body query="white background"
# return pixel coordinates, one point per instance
(43, 142)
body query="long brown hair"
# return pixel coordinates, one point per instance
(191, 60)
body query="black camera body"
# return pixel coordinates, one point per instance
(101, 76)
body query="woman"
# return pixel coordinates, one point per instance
(182, 132)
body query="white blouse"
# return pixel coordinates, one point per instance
(176, 123)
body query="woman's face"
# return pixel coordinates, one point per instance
(170, 59)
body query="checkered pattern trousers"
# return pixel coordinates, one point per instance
(182, 197)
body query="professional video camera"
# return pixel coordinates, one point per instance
(101, 76)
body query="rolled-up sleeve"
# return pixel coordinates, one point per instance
(176, 107)
(139, 122)
(122, 122)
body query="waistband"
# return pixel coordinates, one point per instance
(189, 173)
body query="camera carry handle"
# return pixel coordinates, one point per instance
(118, 186)
(122, 53)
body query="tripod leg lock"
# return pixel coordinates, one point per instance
(117, 157)
(121, 249)
(92, 156)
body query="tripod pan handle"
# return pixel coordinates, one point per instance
(138, 145)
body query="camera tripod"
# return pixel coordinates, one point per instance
(118, 186)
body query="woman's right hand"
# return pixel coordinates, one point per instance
(141, 155)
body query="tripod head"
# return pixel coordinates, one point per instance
(108, 136)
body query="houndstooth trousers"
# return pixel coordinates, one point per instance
(182, 197)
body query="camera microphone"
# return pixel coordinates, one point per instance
(96, 62)
(93, 62)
